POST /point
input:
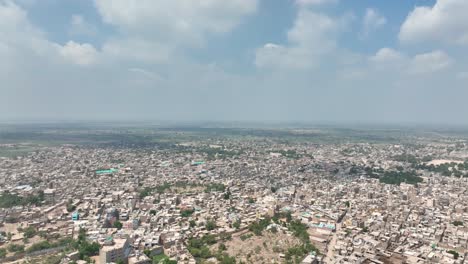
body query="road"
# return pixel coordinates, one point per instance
(329, 256)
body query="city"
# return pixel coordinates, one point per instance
(233, 132)
(242, 196)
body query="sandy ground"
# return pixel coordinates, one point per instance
(442, 161)
(13, 228)
(260, 249)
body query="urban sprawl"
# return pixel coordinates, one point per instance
(236, 200)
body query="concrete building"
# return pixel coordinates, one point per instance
(115, 250)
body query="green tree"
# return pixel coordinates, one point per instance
(222, 247)
(455, 254)
(118, 225)
(210, 225)
(192, 223)
(15, 248)
(29, 232)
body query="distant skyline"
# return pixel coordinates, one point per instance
(311, 61)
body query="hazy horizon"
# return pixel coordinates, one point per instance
(287, 61)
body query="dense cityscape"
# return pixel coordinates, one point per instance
(233, 196)
(233, 132)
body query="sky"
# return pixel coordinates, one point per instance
(362, 61)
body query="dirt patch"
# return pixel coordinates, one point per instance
(259, 249)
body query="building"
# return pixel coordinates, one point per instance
(115, 250)
(139, 259)
(75, 216)
(49, 196)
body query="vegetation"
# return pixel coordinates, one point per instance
(457, 223)
(215, 187)
(85, 248)
(258, 227)
(397, 177)
(3, 252)
(236, 224)
(70, 206)
(118, 225)
(187, 212)
(199, 247)
(297, 253)
(192, 223)
(147, 191)
(200, 250)
(454, 253)
(163, 259)
(222, 247)
(8, 200)
(47, 245)
(15, 248)
(286, 215)
(245, 237)
(219, 153)
(447, 169)
(29, 232)
(290, 154)
(210, 225)
(409, 158)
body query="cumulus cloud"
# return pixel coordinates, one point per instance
(81, 54)
(185, 21)
(424, 63)
(312, 35)
(372, 21)
(445, 22)
(144, 67)
(27, 42)
(430, 62)
(386, 55)
(152, 30)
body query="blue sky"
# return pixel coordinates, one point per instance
(246, 60)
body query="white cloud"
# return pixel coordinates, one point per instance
(396, 62)
(81, 54)
(79, 26)
(430, 62)
(183, 21)
(278, 56)
(315, 2)
(27, 43)
(372, 21)
(387, 55)
(17, 33)
(446, 22)
(312, 36)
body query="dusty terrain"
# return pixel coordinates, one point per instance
(266, 248)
